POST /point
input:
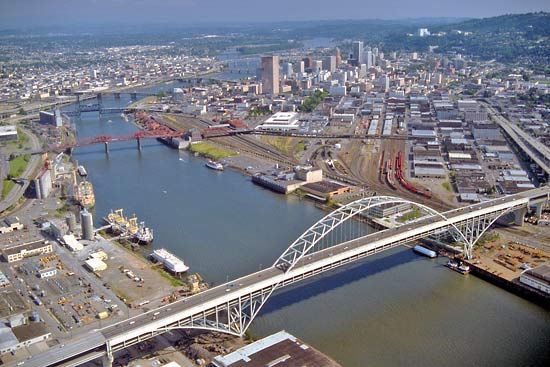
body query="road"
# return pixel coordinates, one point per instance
(532, 147)
(19, 189)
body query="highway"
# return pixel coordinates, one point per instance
(182, 313)
(19, 189)
(530, 145)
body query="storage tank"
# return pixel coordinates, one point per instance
(87, 223)
(71, 222)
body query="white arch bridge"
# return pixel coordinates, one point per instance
(333, 241)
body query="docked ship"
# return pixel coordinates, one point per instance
(458, 266)
(128, 227)
(214, 165)
(82, 171)
(170, 262)
(84, 194)
(144, 235)
(120, 224)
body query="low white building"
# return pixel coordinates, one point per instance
(46, 273)
(95, 265)
(72, 243)
(538, 278)
(281, 121)
(8, 132)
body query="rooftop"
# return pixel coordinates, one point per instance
(541, 272)
(280, 349)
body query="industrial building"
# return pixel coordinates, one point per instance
(43, 184)
(95, 265)
(280, 349)
(51, 118)
(281, 121)
(325, 189)
(8, 132)
(12, 253)
(22, 336)
(10, 224)
(538, 278)
(72, 243)
(287, 182)
(385, 210)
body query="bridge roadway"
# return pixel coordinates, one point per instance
(147, 325)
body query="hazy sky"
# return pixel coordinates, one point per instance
(56, 12)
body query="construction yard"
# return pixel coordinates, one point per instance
(508, 259)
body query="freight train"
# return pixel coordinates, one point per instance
(403, 182)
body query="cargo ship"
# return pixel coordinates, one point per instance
(170, 262)
(144, 235)
(214, 165)
(84, 194)
(128, 227)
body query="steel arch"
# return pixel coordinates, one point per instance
(302, 245)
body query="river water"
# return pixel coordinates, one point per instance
(393, 309)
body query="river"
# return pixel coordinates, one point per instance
(394, 308)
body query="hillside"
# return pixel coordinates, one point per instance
(516, 38)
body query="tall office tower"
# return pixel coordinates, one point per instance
(369, 62)
(329, 63)
(308, 62)
(288, 70)
(338, 56)
(358, 52)
(317, 66)
(362, 70)
(270, 74)
(301, 66)
(375, 51)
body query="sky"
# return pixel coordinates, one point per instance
(28, 13)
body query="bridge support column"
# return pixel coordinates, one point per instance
(139, 144)
(519, 216)
(538, 210)
(78, 107)
(107, 360)
(106, 147)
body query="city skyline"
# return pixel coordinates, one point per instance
(26, 14)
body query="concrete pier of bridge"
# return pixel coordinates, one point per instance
(107, 360)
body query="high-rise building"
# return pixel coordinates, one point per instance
(338, 56)
(317, 66)
(288, 69)
(369, 60)
(308, 62)
(270, 74)
(358, 52)
(329, 63)
(301, 66)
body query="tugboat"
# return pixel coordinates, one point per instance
(144, 235)
(458, 266)
(217, 166)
